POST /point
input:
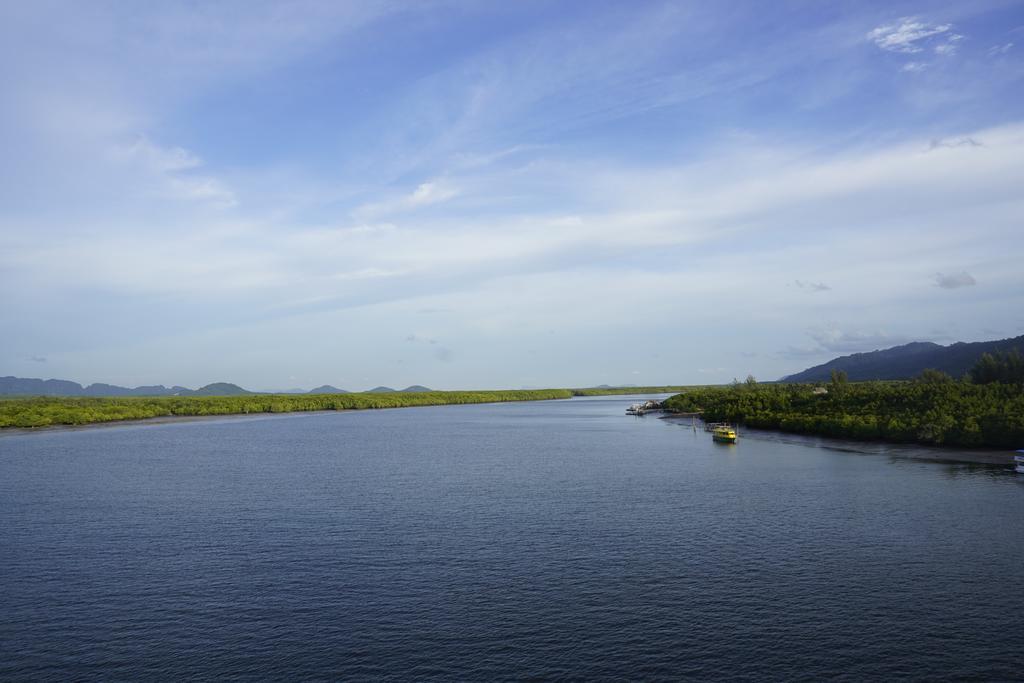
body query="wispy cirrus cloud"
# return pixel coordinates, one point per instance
(174, 171)
(907, 35)
(912, 36)
(423, 195)
(950, 46)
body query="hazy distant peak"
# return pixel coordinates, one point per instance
(221, 389)
(327, 389)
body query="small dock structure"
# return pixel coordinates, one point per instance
(644, 408)
(1018, 461)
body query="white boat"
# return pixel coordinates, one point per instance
(1018, 460)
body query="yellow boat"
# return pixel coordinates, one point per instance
(724, 434)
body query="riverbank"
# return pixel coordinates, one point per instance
(40, 412)
(167, 419)
(932, 413)
(45, 412)
(973, 456)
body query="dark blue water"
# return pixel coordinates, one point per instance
(532, 540)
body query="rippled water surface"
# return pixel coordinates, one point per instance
(494, 541)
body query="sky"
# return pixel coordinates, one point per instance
(469, 194)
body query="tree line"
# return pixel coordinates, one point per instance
(46, 411)
(977, 411)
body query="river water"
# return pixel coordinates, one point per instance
(519, 540)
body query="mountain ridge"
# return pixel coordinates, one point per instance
(906, 361)
(30, 386)
(327, 389)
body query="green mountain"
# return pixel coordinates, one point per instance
(25, 386)
(907, 361)
(380, 390)
(415, 388)
(220, 389)
(327, 389)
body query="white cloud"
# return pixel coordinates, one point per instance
(156, 158)
(201, 189)
(172, 170)
(834, 340)
(431, 193)
(998, 50)
(424, 195)
(509, 225)
(785, 194)
(802, 352)
(906, 35)
(950, 46)
(912, 36)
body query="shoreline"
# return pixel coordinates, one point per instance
(159, 419)
(171, 419)
(39, 412)
(921, 452)
(173, 409)
(910, 451)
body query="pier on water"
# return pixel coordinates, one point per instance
(644, 408)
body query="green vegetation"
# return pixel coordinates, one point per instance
(614, 391)
(1006, 367)
(932, 409)
(45, 411)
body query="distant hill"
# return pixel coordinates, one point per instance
(906, 361)
(220, 389)
(327, 389)
(21, 386)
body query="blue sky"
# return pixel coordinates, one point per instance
(484, 194)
